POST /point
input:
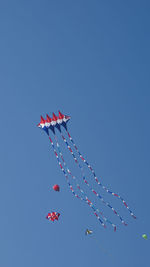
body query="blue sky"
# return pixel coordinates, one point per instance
(90, 59)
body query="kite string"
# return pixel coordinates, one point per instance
(78, 186)
(99, 183)
(86, 182)
(70, 186)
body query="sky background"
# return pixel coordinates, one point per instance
(91, 60)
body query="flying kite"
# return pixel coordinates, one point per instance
(144, 236)
(53, 216)
(56, 187)
(57, 124)
(88, 232)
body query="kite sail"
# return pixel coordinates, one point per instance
(57, 124)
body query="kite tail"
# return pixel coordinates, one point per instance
(71, 188)
(78, 186)
(105, 219)
(99, 183)
(60, 153)
(86, 182)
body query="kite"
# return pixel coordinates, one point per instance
(88, 232)
(53, 216)
(56, 187)
(144, 236)
(58, 124)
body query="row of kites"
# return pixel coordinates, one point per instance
(58, 125)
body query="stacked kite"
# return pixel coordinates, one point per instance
(49, 125)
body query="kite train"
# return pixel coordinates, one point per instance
(59, 124)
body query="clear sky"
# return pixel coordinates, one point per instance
(91, 60)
